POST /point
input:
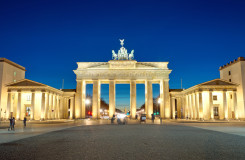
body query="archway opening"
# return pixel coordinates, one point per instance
(123, 99)
(156, 99)
(89, 100)
(140, 99)
(104, 102)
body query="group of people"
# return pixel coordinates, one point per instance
(12, 123)
(119, 120)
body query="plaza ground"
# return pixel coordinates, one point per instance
(98, 139)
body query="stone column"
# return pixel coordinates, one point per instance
(193, 106)
(47, 106)
(187, 107)
(225, 104)
(66, 107)
(78, 100)
(43, 105)
(58, 107)
(162, 109)
(173, 108)
(111, 98)
(83, 98)
(211, 110)
(234, 101)
(167, 99)
(61, 113)
(148, 99)
(33, 105)
(200, 106)
(133, 99)
(51, 106)
(183, 115)
(197, 106)
(190, 106)
(99, 99)
(19, 106)
(95, 100)
(55, 106)
(72, 108)
(8, 106)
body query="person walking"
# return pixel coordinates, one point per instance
(13, 122)
(152, 117)
(10, 124)
(24, 121)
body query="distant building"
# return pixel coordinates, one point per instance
(234, 71)
(9, 72)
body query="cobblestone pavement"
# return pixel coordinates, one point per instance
(89, 140)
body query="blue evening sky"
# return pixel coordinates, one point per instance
(196, 37)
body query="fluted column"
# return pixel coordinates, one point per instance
(234, 101)
(148, 99)
(193, 106)
(61, 113)
(173, 108)
(33, 105)
(43, 105)
(55, 107)
(95, 100)
(52, 106)
(183, 107)
(167, 99)
(99, 99)
(83, 98)
(162, 109)
(18, 115)
(47, 106)
(72, 108)
(133, 98)
(197, 106)
(8, 106)
(190, 105)
(111, 98)
(200, 105)
(58, 107)
(78, 100)
(187, 107)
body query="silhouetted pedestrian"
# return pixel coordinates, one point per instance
(112, 119)
(13, 122)
(152, 117)
(24, 121)
(10, 124)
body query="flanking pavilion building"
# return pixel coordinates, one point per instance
(215, 99)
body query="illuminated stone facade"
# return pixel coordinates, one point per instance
(9, 72)
(122, 72)
(216, 99)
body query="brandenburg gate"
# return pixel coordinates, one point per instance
(122, 70)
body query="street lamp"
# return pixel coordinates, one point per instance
(87, 101)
